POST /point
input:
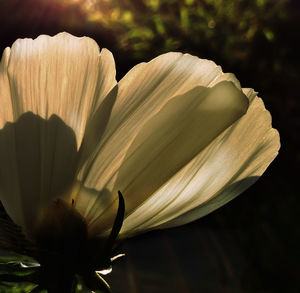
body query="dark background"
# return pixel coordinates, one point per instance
(252, 243)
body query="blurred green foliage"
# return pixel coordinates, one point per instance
(147, 27)
(252, 38)
(155, 26)
(242, 35)
(10, 264)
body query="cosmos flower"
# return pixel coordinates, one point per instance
(83, 155)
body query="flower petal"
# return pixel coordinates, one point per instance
(149, 86)
(62, 75)
(184, 127)
(228, 166)
(142, 93)
(169, 140)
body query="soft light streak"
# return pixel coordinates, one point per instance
(29, 265)
(106, 271)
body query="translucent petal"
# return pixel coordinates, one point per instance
(224, 169)
(169, 140)
(62, 75)
(64, 80)
(142, 93)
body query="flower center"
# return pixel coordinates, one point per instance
(64, 249)
(61, 240)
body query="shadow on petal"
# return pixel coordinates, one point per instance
(38, 162)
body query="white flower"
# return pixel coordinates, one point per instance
(176, 136)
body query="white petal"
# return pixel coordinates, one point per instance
(149, 86)
(169, 140)
(142, 93)
(229, 165)
(62, 75)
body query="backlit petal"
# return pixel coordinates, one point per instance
(62, 75)
(168, 141)
(142, 93)
(65, 81)
(228, 166)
